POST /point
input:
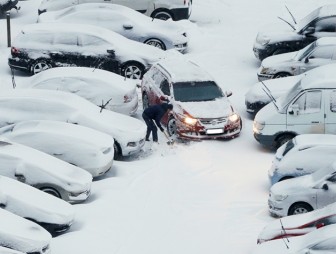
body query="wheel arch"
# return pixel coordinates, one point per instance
(281, 134)
(300, 203)
(158, 10)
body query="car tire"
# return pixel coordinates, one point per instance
(39, 65)
(299, 208)
(145, 101)
(156, 43)
(162, 14)
(132, 70)
(51, 191)
(282, 139)
(281, 75)
(117, 151)
(171, 127)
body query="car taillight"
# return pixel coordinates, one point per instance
(14, 50)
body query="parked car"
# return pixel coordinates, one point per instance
(321, 241)
(174, 9)
(201, 109)
(261, 93)
(7, 5)
(303, 194)
(38, 104)
(299, 224)
(4, 250)
(97, 86)
(302, 155)
(44, 172)
(53, 214)
(22, 235)
(287, 37)
(78, 145)
(125, 21)
(318, 53)
(42, 46)
(308, 108)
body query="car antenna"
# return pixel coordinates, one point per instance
(103, 106)
(287, 22)
(269, 94)
(13, 78)
(282, 227)
(291, 15)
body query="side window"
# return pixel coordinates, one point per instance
(326, 25)
(66, 39)
(332, 179)
(164, 86)
(325, 52)
(158, 77)
(333, 101)
(90, 40)
(326, 245)
(309, 102)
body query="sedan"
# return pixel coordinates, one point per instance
(44, 172)
(125, 21)
(78, 145)
(22, 235)
(97, 86)
(38, 104)
(318, 53)
(53, 214)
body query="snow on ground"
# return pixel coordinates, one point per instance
(194, 198)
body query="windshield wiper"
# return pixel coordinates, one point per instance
(291, 15)
(269, 94)
(287, 23)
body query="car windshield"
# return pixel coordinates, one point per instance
(289, 145)
(196, 91)
(290, 95)
(303, 53)
(306, 20)
(322, 173)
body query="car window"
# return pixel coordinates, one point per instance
(326, 25)
(333, 101)
(90, 40)
(68, 39)
(164, 86)
(309, 102)
(329, 244)
(322, 52)
(158, 77)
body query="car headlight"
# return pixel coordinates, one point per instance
(263, 40)
(280, 197)
(233, 118)
(190, 120)
(258, 126)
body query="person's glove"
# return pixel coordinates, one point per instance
(161, 129)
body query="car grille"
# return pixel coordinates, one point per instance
(212, 121)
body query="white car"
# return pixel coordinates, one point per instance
(53, 214)
(321, 241)
(302, 155)
(44, 172)
(299, 224)
(318, 53)
(4, 250)
(125, 21)
(97, 86)
(38, 104)
(22, 235)
(78, 145)
(303, 194)
(174, 9)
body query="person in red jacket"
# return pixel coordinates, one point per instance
(154, 114)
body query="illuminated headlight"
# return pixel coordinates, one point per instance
(280, 197)
(264, 70)
(258, 126)
(132, 144)
(263, 40)
(233, 118)
(190, 121)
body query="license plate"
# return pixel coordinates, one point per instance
(214, 131)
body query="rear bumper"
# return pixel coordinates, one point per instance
(16, 64)
(180, 13)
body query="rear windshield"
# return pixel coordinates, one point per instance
(290, 144)
(196, 91)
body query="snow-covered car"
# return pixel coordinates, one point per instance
(201, 109)
(174, 9)
(125, 21)
(318, 53)
(22, 235)
(302, 155)
(321, 241)
(53, 214)
(299, 224)
(286, 37)
(44, 172)
(4, 250)
(39, 104)
(7, 5)
(261, 93)
(42, 46)
(97, 86)
(303, 194)
(78, 145)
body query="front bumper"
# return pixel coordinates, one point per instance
(98, 171)
(55, 229)
(265, 140)
(277, 209)
(261, 53)
(77, 198)
(181, 47)
(133, 147)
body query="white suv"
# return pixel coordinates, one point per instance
(174, 9)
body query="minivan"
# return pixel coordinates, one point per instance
(308, 107)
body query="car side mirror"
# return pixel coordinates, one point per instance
(325, 187)
(127, 26)
(293, 110)
(309, 31)
(306, 60)
(228, 93)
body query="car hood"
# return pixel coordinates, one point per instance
(208, 109)
(278, 31)
(292, 186)
(276, 60)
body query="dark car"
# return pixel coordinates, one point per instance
(7, 5)
(289, 37)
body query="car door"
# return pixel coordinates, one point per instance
(165, 88)
(330, 111)
(139, 5)
(321, 55)
(306, 113)
(154, 92)
(326, 192)
(64, 51)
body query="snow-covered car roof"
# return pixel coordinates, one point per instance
(327, 10)
(310, 140)
(23, 235)
(4, 250)
(95, 85)
(29, 202)
(78, 145)
(326, 41)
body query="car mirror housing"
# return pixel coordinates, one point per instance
(325, 187)
(309, 31)
(127, 26)
(293, 110)
(306, 60)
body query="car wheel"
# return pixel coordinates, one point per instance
(283, 139)
(156, 43)
(117, 151)
(281, 75)
(51, 191)
(162, 14)
(132, 70)
(40, 65)
(145, 101)
(299, 208)
(171, 127)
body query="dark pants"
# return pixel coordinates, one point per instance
(151, 127)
